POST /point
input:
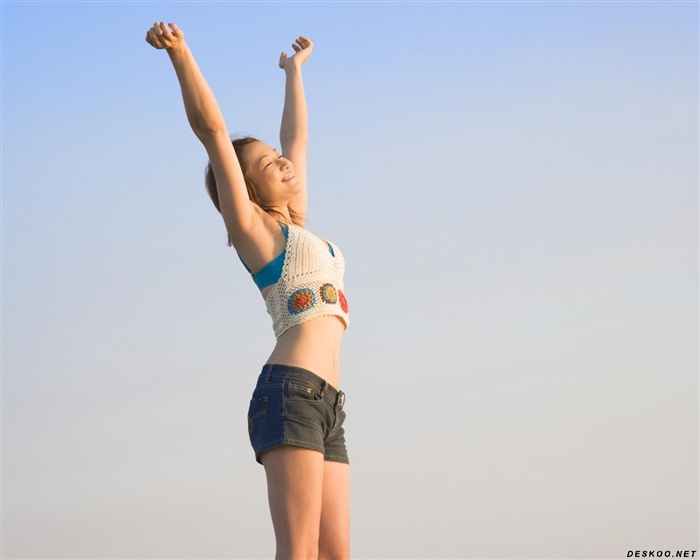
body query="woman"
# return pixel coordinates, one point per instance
(296, 413)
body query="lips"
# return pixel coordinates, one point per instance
(288, 177)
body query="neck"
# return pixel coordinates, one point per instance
(283, 211)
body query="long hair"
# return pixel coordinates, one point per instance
(210, 182)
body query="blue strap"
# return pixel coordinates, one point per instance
(270, 273)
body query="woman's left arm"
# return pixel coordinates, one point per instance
(294, 132)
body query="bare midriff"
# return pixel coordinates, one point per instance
(312, 345)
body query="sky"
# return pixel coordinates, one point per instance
(514, 186)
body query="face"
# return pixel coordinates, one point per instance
(271, 174)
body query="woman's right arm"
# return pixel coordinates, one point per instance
(208, 124)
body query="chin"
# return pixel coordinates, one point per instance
(294, 186)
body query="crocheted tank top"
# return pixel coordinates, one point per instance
(311, 283)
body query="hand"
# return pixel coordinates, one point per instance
(302, 51)
(165, 36)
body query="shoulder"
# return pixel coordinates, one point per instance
(298, 220)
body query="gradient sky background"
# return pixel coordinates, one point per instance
(515, 189)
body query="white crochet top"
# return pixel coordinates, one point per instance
(311, 284)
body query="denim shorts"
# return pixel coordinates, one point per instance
(293, 406)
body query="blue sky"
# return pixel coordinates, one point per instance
(514, 186)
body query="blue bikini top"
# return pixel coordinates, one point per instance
(272, 271)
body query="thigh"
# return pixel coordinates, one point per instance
(334, 540)
(295, 487)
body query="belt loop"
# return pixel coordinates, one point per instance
(340, 400)
(267, 371)
(324, 385)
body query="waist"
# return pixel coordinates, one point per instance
(277, 374)
(313, 345)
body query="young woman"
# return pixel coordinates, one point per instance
(295, 417)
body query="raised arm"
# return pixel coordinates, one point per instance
(294, 131)
(208, 124)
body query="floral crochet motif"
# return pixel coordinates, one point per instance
(301, 300)
(328, 293)
(310, 285)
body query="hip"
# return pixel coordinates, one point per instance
(294, 406)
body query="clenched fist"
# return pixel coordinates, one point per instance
(165, 36)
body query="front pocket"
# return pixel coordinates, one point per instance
(300, 391)
(256, 419)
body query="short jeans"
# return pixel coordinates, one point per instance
(293, 406)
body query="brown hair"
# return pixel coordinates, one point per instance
(210, 182)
